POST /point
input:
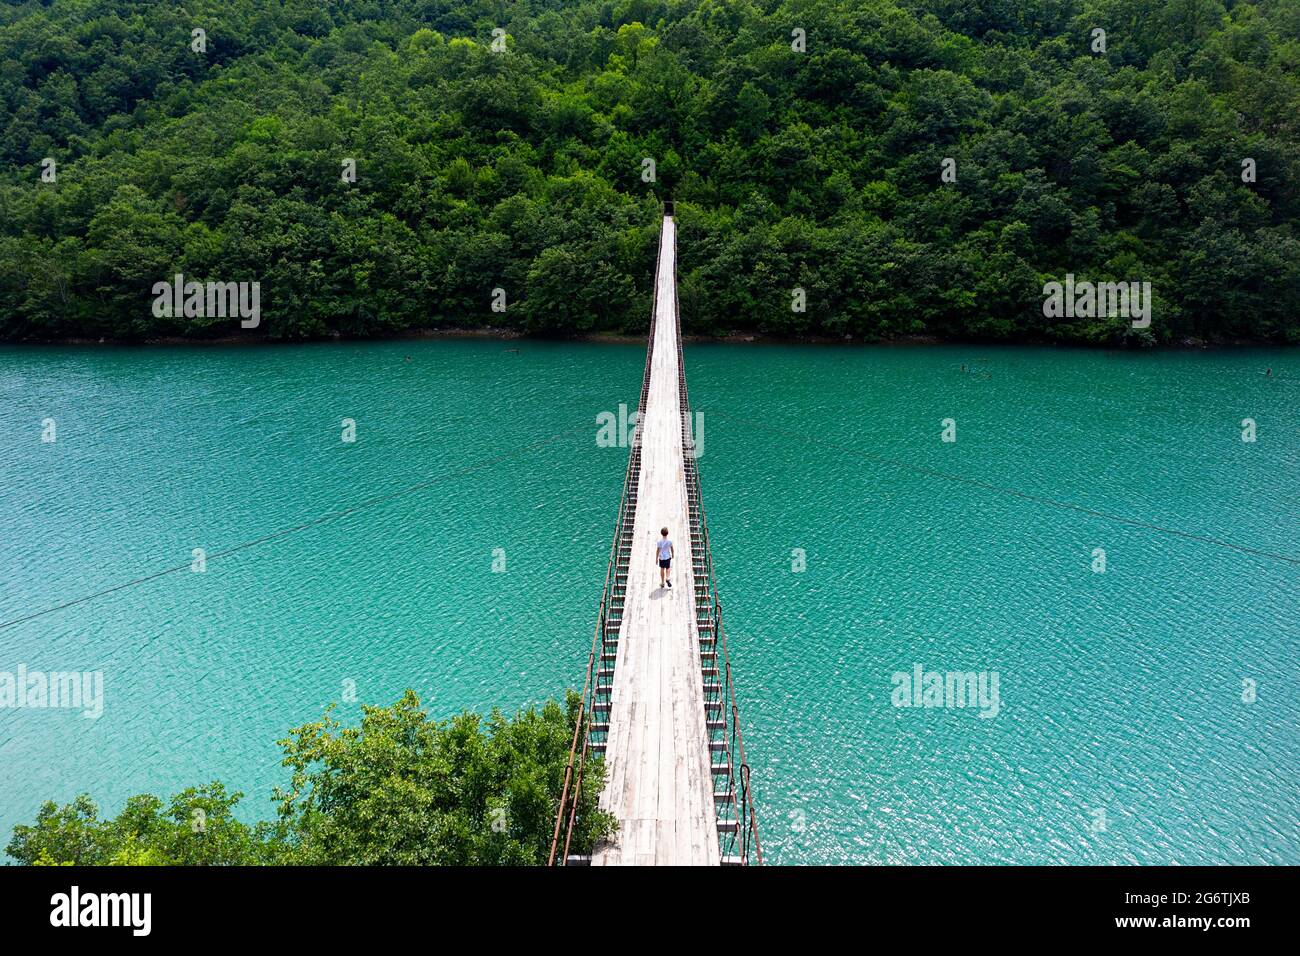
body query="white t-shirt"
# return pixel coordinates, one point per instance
(665, 549)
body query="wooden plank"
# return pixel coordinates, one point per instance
(659, 785)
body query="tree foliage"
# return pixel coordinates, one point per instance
(398, 789)
(522, 170)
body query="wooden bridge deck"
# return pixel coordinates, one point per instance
(659, 781)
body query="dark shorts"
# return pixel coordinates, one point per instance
(666, 562)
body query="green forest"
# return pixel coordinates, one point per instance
(399, 789)
(803, 144)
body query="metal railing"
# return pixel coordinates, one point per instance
(738, 827)
(598, 686)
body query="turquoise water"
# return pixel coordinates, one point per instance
(1118, 692)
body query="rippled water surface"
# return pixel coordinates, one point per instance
(1119, 693)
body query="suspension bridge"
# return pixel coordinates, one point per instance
(658, 702)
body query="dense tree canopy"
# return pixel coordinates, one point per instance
(523, 170)
(398, 789)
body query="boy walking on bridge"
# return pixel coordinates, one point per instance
(664, 551)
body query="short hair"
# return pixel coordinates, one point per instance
(663, 530)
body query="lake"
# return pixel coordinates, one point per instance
(1146, 713)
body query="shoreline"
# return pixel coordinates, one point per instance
(625, 338)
